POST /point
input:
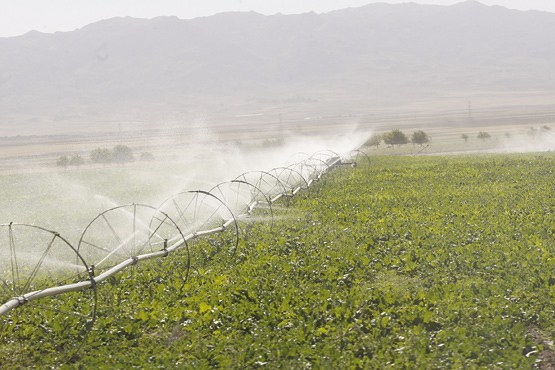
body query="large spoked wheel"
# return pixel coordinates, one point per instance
(209, 225)
(329, 156)
(269, 184)
(124, 245)
(358, 157)
(248, 203)
(291, 179)
(48, 300)
(123, 236)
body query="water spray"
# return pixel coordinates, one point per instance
(126, 235)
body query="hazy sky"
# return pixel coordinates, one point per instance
(20, 16)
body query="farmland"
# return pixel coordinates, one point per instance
(410, 261)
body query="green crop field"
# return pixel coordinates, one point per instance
(408, 262)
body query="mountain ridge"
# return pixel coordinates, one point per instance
(132, 68)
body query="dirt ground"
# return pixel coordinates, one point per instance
(515, 128)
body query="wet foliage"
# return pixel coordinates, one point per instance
(411, 262)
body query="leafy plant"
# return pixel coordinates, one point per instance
(418, 262)
(101, 155)
(374, 140)
(420, 137)
(395, 137)
(76, 160)
(63, 161)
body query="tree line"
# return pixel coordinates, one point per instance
(118, 154)
(398, 137)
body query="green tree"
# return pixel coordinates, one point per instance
(395, 137)
(464, 137)
(76, 160)
(374, 140)
(122, 154)
(420, 137)
(63, 161)
(482, 135)
(101, 155)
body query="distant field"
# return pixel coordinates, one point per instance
(66, 199)
(508, 119)
(424, 262)
(36, 191)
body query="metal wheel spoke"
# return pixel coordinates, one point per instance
(115, 251)
(237, 198)
(196, 207)
(153, 234)
(15, 267)
(134, 228)
(95, 246)
(158, 219)
(209, 218)
(39, 264)
(118, 239)
(180, 213)
(156, 230)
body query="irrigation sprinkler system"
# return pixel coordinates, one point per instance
(269, 184)
(38, 267)
(355, 156)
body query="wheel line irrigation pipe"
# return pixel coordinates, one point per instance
(92, 280)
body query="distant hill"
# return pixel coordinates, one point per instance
(145, 69)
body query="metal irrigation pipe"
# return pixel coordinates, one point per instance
(50, 292)
(92, 281)
(261, 178)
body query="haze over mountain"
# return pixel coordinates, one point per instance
(146, 70)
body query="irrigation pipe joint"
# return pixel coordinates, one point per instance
(21, 301)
